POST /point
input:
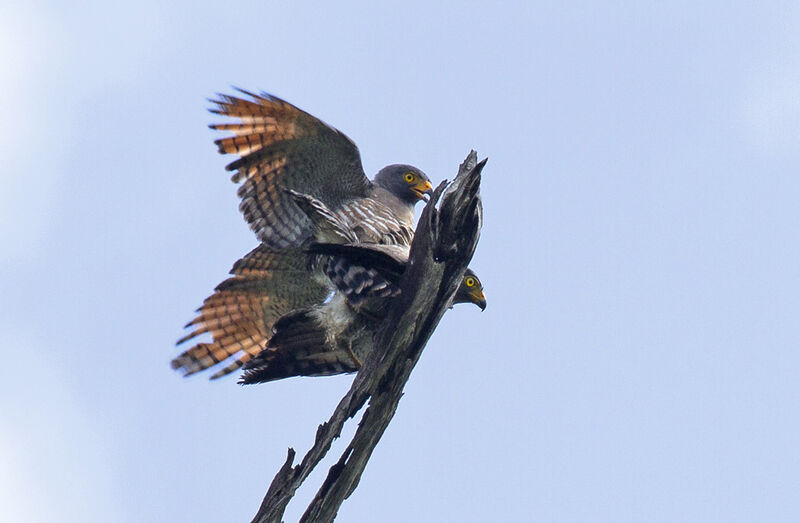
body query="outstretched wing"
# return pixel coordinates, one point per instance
(281, 146)
(266, 284)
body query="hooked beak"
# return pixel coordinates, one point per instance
(423, 188)
(479, 299)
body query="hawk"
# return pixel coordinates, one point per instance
(336, 336)
(284, 150)
(282, 147)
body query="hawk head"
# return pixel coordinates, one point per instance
(404, 181)
(470, 290)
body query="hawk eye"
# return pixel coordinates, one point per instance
(470, 282)
(409, 177)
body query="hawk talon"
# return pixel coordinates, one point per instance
(353, 355)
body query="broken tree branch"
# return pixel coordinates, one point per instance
(443, 245)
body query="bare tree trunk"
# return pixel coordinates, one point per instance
(443, 245)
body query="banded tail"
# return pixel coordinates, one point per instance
(302, 345)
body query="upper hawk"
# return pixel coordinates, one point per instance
(282, 147)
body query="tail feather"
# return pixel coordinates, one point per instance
(300, 346)
(298, 332)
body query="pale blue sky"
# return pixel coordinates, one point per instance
(638, 360)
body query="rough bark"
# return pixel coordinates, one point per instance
(444, 243)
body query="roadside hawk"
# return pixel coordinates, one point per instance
(282, 147)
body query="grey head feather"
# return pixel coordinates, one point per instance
(393, 179)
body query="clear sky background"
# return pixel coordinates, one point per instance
(640, 354)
